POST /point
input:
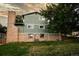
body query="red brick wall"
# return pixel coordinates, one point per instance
(53, 37)
(24, 38)
(11, 29)
(2, 41)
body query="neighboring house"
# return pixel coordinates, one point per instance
(34, 29)
(3, 31)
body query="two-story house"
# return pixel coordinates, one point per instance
(34, 28)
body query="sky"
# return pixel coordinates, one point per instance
(20, 8)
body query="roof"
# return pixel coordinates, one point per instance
(32, 13)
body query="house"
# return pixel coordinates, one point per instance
(34, 29)
(3, 31)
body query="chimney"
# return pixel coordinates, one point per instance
(11, 28)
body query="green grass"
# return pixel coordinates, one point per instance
(58, 48)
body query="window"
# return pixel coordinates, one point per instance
(42, 27)
(30, 26)
(41, 35)
(30, 36)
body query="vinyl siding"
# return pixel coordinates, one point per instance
(34, 19)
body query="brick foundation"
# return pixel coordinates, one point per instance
(24, 38)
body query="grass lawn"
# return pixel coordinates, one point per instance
(58, 48)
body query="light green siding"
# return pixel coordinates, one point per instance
(36, 21)
(33, 19)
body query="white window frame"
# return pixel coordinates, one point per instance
(30, 25)
(30, 36)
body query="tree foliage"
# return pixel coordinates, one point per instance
(3, 29)
(63, 17)
(19, 20)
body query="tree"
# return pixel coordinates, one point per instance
(3, 29)
(0, 28)
(19, 20)
(62, 17)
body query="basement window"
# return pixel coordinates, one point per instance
(41, 35)
(30, 36)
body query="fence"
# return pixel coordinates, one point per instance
(2, 38)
